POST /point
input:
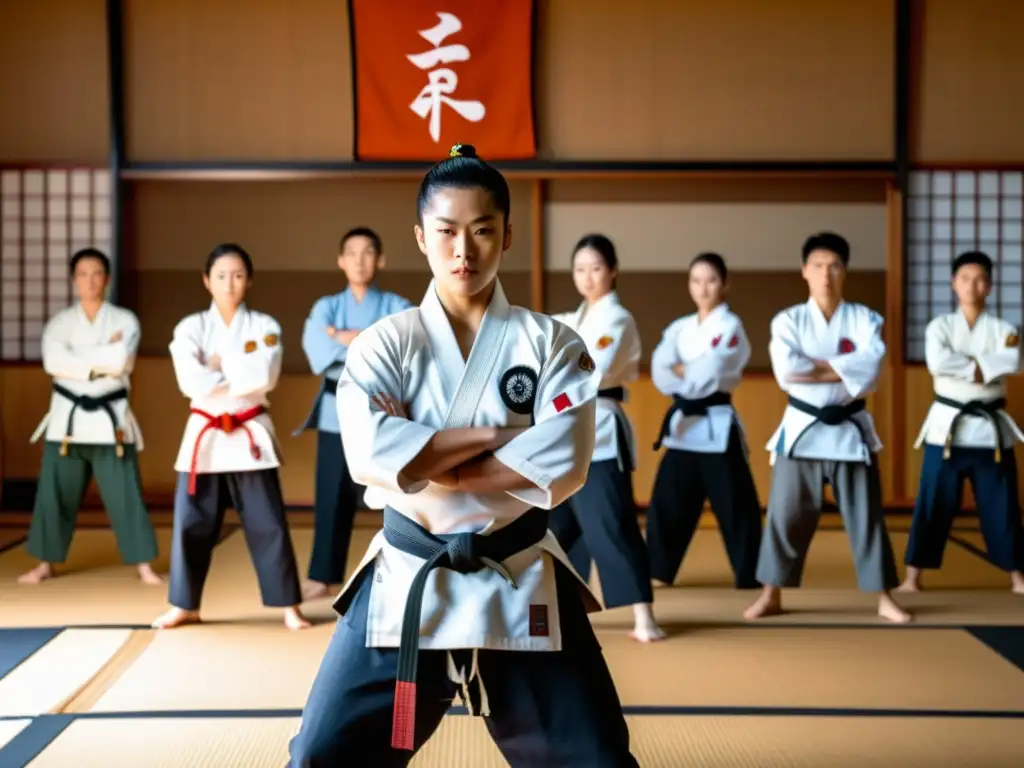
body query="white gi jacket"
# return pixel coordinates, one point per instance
(714, 353)
(524, 369)
(250, 354)
(610, 333)
(851, 342)
(80, 357)
(953, 353)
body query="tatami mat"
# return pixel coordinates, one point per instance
(54, 674)
(9, 729)
(657, 742)
(966, 590)
(230, 668)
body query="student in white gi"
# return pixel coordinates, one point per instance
(967, 434)
(467, 418)
(698, 363)
(89, 349)
(332, 325)
(600, 520)
(826, 355)
(227, 360)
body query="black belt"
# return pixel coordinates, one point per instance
(690, 407)
(330, 386)
(92, 404)
(986, 409)
(462, 553)
(613, 393)
(832, 415)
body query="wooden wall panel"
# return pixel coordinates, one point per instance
(53, 92)
(238, 80)
(970, 74)
(736, 79)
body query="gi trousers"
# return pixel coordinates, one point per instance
(685, 479)
(939, 497)
(600, 521)
(794, 507)
(63, 481)
(556, 708)
(256, 496)
(337, 499)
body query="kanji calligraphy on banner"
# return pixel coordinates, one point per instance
(433, 73)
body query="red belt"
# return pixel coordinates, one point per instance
(225, 422)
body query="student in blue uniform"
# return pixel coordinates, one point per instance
(968, 435)
(330, 328)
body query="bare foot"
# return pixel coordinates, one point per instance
(912, 583)
(40, 573)
(149, 576)
(888, 610)
(294, 620)
(1017, 580)
(176, 617)
(312, 590)
(768, 604)
(645, 628)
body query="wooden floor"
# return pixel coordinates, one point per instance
(84, 682)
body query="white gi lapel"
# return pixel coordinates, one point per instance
(478, 370)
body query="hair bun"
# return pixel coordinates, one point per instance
(463, 150)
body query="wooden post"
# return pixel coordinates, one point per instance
(537, 246)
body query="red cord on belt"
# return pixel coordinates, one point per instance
(225, 422)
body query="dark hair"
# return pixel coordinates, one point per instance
(91, 253)
(228, 249)
(827, 241)
(714, 261)
(366, 232)
(463, 169)
(602, 245)
(974, 257)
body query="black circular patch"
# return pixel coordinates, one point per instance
(518, 389)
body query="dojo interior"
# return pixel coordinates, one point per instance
(158, 128)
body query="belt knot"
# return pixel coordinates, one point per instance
(463, 553)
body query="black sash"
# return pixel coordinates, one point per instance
(986, 409)
(695, 407)
(92, 404)
(832, 415)
(618, 394)
(462, 553)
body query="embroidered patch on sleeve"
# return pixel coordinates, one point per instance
(734, 342)
(270, 339)
(604, 342)
(586, 362)
(562, 402)
(539, 621)
(1012, 341)
(716, 341)
(250, 346)
(846, 346)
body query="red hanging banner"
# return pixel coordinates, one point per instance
(433, 73)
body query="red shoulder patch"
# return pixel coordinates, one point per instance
(846, 346)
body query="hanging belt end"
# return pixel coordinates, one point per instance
(403, 724)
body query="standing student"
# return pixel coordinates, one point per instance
(600, 520)
(89, 349)
(967, 434)
(826, 355)
(467, 418)
(227, 360)
(698, 363)
(330, 328)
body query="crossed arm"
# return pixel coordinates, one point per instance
(461, 459)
